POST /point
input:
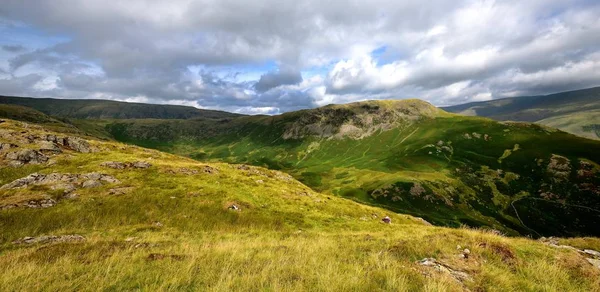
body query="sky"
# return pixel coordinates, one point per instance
(274, 56)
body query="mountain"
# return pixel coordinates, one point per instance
(78, 213)
(410, 157)
(576, 112)
(108, 109)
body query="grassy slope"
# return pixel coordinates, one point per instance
(286, 237)
(575, 112)
(86, 108)
(473, 181)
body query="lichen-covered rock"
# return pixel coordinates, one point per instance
(50, 239)
(66, 181)
(47, 146)
(124, 165)
(78, 144)
(26, 156)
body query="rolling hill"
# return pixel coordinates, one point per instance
(82, 214)
(576, 112)
(409, 157)
(108, 109)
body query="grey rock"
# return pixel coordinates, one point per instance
(113, 164)
(43, 203)
(50, 239)
(26, 156)
(7, 146)
(65, 181)
(141, 164)
(91, 183)
(124, 165)
(77, 144)
(592, 252)
(47, 146)
(459, 276)
(594, 262)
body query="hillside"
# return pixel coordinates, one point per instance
(108, 109)
(83, 214)
(409, 157)
(576, 112)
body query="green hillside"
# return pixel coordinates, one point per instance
(108, 109)
(576, 112)
(81, 214)
(409, 157)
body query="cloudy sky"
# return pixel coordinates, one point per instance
(265, 56)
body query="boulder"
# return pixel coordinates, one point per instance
(77, 144)
(47, 146)
(26, 156)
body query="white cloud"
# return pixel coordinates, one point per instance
(268, 56)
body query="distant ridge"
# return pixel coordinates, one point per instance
(576, 112)
(109, 109)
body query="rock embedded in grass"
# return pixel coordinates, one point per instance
(50, 239)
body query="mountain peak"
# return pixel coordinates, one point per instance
(359, 119)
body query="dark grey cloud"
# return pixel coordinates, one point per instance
(278, 78)
(14, 48)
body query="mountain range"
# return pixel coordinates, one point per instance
(576, 112)
(407, 156)
(352, 197)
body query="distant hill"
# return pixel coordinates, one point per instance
(410, 157)
(108, 109)
(576, 112)
(405, 155)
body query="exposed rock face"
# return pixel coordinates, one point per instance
(26, 156)
(66, 181)
(559, 167)
(47, 146)
(77, 144)
(124, 165)
(7, 146)
(358, 120)
(50, 239)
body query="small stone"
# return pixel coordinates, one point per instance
(234, 207)
(387, 220)
(157, 224)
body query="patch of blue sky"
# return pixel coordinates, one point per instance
(28, 36)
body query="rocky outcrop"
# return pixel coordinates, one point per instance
(67, 181)
(125, 165)
(358, 120)
(25, 156)
(439, 267)
(50, 239)
(77, 144)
